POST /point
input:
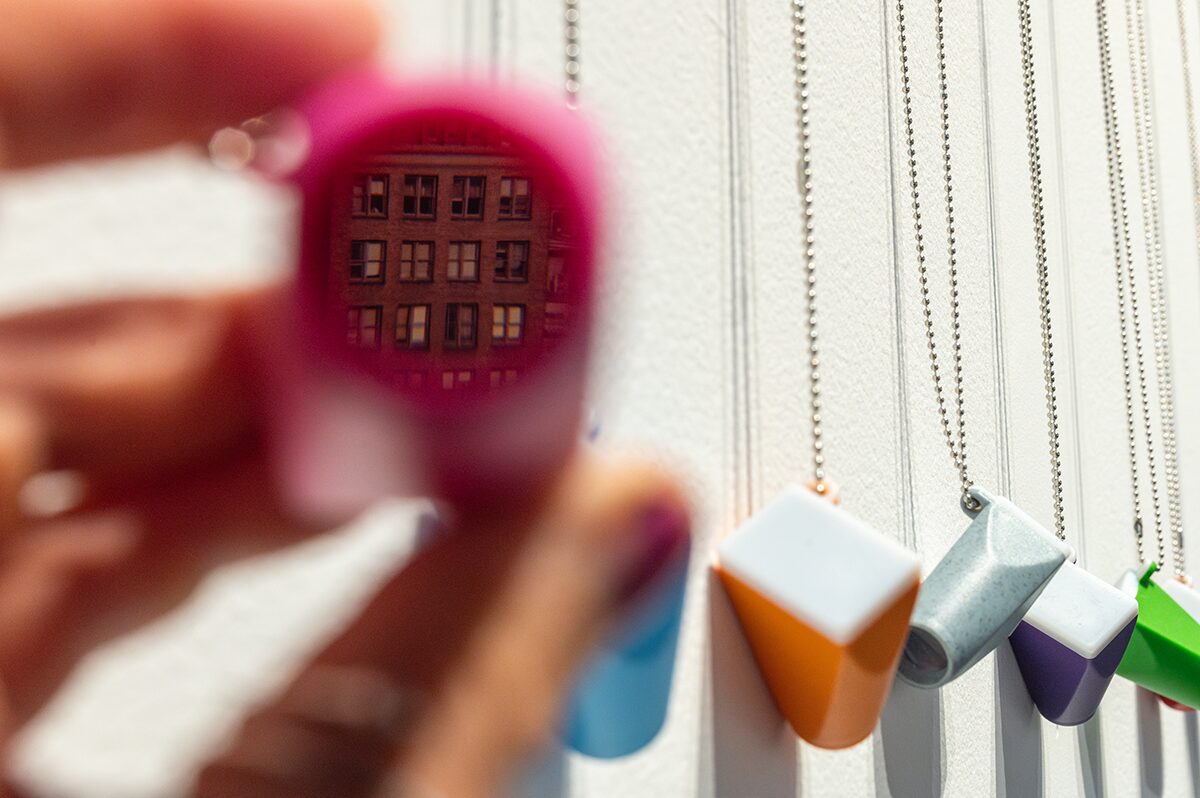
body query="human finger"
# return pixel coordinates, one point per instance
(134, 389)
(475, 643)
(97, 77)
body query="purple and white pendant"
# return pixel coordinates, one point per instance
(1070, 643)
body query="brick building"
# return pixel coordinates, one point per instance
(449, 257)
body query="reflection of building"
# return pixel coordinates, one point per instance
(446, 254)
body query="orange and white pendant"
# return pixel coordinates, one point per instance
(824, 601)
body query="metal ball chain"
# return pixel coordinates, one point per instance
(1180, 560)
(1152, 231)
(1173, 478)
(1127, 302)
(1189, 106)
(804, 185)
(571, 51)
(955, 439)
(1043, 275)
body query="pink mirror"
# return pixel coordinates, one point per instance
(444, 292)
(454, 258)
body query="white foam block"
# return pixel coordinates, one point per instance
(818, 562)
(1081, 611)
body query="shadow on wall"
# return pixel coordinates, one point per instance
(1019, 760)
(753, 751)
(1091, 757)
(1193, 746)
(1149, 725)
(910, 744)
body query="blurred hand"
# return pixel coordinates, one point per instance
(455, 672)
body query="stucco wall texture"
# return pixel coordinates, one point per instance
(702, 363)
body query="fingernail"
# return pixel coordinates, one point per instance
(662, 536)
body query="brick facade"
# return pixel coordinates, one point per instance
(399, 211)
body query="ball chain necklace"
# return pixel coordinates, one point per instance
(571, 51)
(1007, 555)
(1190, 112)
(1164, 653)
(826, 638)
(1152, 236)
(1071, 640)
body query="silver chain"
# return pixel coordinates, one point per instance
(804, 185)
(1127, 298)
(1180, 557)
(571, 50)
(1152, 232)
(955, 439)
(1043, 273)
(1193, 149)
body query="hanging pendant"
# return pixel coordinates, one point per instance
(620, 702)
(1164, 652)
(1185, 596)
(824, 601)
(1070, 643)
(979, 592)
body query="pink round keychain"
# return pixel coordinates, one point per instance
(439, 334)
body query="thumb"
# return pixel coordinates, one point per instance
(612, 533)
(476, 642)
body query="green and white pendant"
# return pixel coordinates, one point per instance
(1164, 652)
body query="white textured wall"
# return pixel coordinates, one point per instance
(702, 361)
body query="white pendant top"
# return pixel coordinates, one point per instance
(1081, 610)
(1128, 583)
(1186, 597)
(818, 562)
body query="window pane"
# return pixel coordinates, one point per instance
(516, 319)
(497, 322)
(402, 329)
(366, 261)
(466, 321)
(419, 334)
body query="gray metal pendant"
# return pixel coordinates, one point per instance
(979, 592)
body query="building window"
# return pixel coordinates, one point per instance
(416, 261)
(508, 324)
(367, 260)
(461, 322)
(554, 323)
(466, 199)
(463, 261)
(512, 261)
(501, 377)
(515, 200)
(420, 196)
(412, 326)
(456, 379)
(363, 325)
(371, 196)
